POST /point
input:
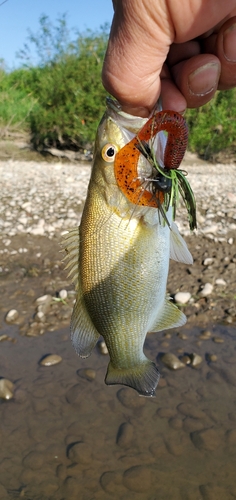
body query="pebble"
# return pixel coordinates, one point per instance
(6, 389)
(63, 294)
(206, 439)
(44, 299)
(220, 282)
(196, 359)
(186, 360)
(4, 337)
(138, 478)
(12, 316)
(130, 399)
(166, 412)
(102, 347)
(125, 435)
(172, 362)
(212, 357)
(40, 317)
(182, 297)
(182, 336)
(208, 261)
(218, 340)
(176, 423)
(50, 360)
(87, 373)
(206, 290)
(190, 411)
(80, 453)
(205, 335)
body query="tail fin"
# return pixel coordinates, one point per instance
(143, 377)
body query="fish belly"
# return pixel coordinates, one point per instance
(123, 273)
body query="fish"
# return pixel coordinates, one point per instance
(119, 259)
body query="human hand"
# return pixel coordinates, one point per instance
(181, 50)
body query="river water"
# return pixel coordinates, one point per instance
(64, 437)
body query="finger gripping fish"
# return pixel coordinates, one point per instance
(119, 260)
(126, 160)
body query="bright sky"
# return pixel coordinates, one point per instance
(16, 16)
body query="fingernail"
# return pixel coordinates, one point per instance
(200, 82)
(229, 43)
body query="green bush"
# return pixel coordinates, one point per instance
(212, 128)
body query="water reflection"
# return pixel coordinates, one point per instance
(66, 436)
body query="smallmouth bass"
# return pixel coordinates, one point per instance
(119, 259)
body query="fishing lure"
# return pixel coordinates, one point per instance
(126, 160)
(166, 183)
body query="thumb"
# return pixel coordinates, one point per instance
(137, 50)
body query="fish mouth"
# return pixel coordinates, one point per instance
(129, 122)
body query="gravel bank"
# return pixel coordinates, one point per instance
(41, 201)
(44, 199)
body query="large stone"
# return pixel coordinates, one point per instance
(137, 478)
(206, 439)
(125, 435)
(80, 453)
(130, 399)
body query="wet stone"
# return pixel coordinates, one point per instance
(218, 340)
(182, 336)
(231, 437)
(192, 424)
(130, 399)
(50, 360)
(211, 491)
(206, 439)
(166, 412)
(172, 362)
(12, 316)
(87, 374)
(212, 357)
(34, 460)
(176, 423)
(162, 383)
(6, 389)
(191, 411)
(186, 360)
(125, 435)
(196, 359)
(137, 478)
(80, 453)
(110, 481)
(102, 347)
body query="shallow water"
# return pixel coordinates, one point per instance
(63, 437)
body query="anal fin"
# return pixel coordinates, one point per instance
(84, 335)
(170, 317)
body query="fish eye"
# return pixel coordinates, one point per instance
(108, 152)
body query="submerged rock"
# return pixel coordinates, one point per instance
(6, 389)
(172, 362)
(51, 359)
(12, 316)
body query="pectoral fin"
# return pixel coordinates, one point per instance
(70, 245)
(84, 335)
(170, 317)
(178, 248)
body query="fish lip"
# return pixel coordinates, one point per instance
(129, 122)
